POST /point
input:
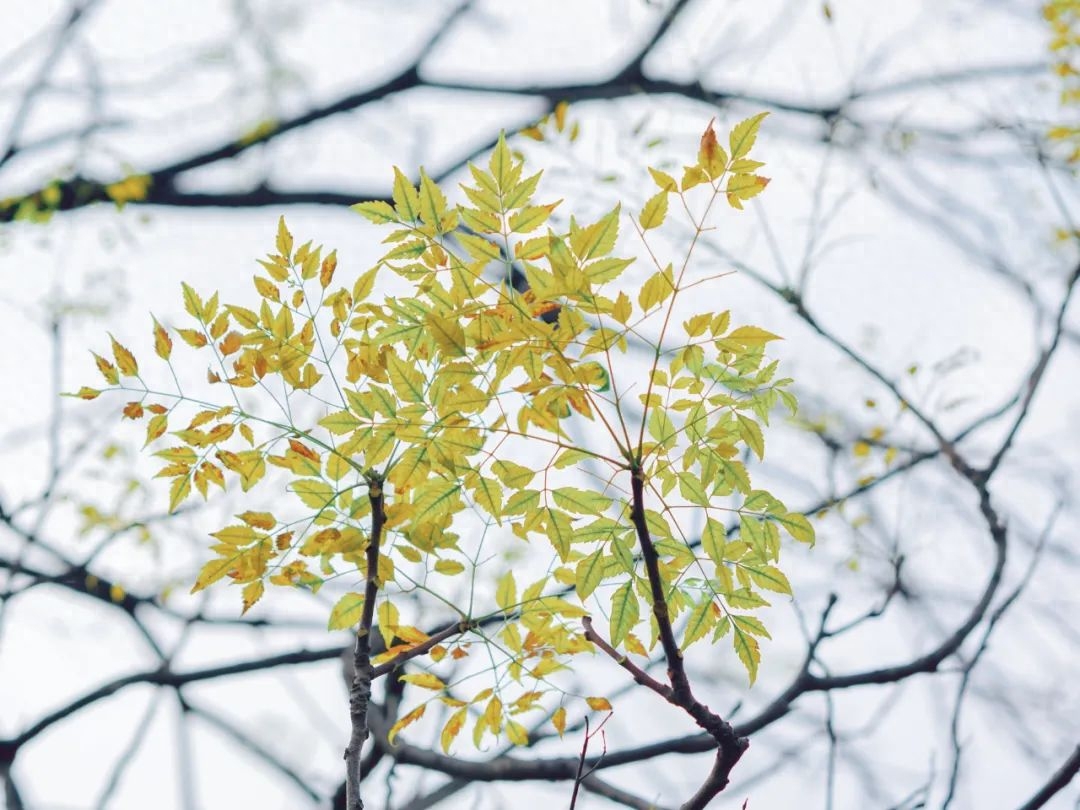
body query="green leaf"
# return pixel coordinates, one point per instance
(625, 613)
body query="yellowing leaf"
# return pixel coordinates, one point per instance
(506, 591)
(625, 612)
(713, 540)
(750, 432)
(376, 211)
(748, 650)
(656, 289)
(598, 704)
(744, 134)
(581, 501)
(512, 475)
(623, 309)
(589, 574)
(654, 212)
(406, 200)
(448, 334)
(743, 187)
(797, 526)
(432, 202)
(597, 239)
(313, 492)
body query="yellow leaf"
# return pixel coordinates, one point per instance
(267, 289)
(179, 491)
(449, 567)
(452, 728)
(156, 428)
(623, 309)
(448, 333)
(251, 594)
(258, 520)
(558, 719)
(407, 720)
(388, 619)
(125, 360)
(664, 180)
(162, 341)
(425, 680)
(347, 612)
(107, 369)
(212, 571)
(192, 337)
(598, 704)
(284, 239)
(516, 733)
(326, 271)
(192, 303)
